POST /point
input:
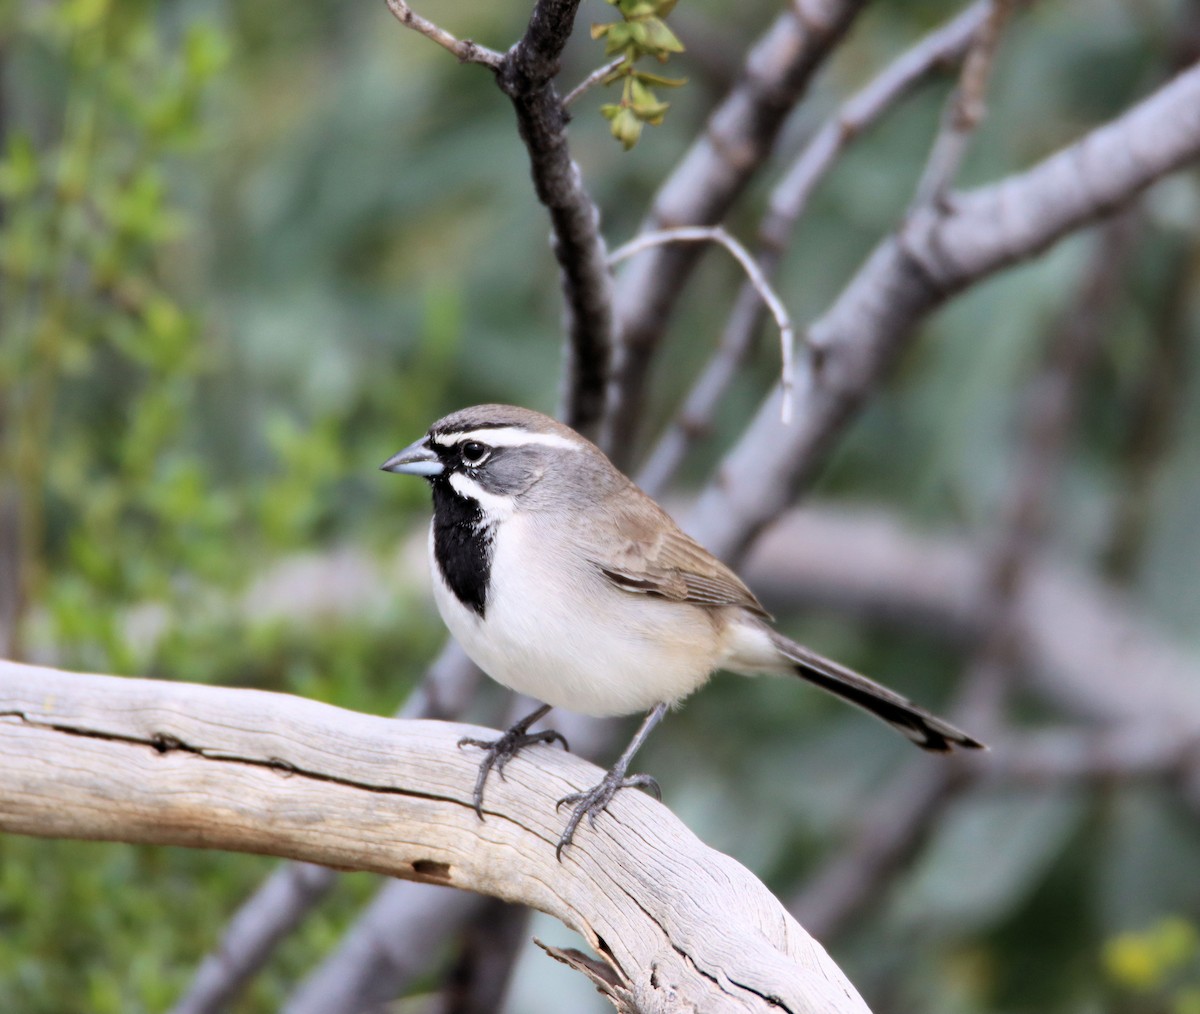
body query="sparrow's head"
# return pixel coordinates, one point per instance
(494, 453)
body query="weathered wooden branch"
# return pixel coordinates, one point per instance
(677, 925)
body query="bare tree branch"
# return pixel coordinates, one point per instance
(965, 109)
(101, 757)
(466, 50)
(593, 79)
(276, 908)
(889, 836)
(940, 49)
(380, 949)
(935, 254)
(737, 139)
(756, 279)
(786, 205)
(527, 77)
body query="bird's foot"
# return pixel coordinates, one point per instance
(596, 799)
(498, 752)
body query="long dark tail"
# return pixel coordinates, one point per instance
(926, 730)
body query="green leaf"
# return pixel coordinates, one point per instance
(658, 80)
(659, 39)
(624, 124)
(644, 102)
(631, 9)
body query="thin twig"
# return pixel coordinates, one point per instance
(466, 50)
(787, 203)
(593, 79)
(938, 50)
(715, 234)
(695, 419)
(735, 143)
(965, 109)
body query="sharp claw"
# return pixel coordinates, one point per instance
(646, 782)
(498, 752)
(595, 801)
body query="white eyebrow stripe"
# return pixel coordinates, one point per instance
(508, 436)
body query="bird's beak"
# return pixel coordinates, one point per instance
(415, 459)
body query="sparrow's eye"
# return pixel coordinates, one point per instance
(474, 453)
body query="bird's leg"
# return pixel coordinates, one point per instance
(598, 797)
(501, 751)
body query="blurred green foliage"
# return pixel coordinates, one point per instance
(111, 372)
(1157, 969)
(248, 250)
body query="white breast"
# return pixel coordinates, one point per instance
(571, 639)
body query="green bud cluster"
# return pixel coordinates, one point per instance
(641, 32)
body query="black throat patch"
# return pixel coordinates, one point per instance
(462, 545)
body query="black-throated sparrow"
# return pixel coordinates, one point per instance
(564, 581)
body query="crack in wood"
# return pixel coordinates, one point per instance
(165, 743)
(718, 980)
